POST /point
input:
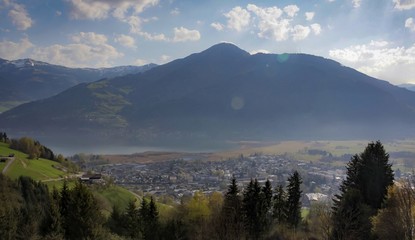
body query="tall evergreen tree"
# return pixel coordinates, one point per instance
(294, 199)
(132, 221)
(265, 214)
(376, 175)
(351, 219)
(151, 222)
(52, 223)
(117, 222)
(84, 219)
(231, 226)
(369, 175)
(251, 205)
(279, 211)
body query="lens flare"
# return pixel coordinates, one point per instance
(237, 103)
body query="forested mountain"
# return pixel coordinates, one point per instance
(220, 94)
(27, 79)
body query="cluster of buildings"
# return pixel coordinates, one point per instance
(179, 177)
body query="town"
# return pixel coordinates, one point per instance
(178, 177)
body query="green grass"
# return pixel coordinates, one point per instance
(113, 196)
(38, 169)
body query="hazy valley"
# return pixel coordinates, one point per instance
(217, 97)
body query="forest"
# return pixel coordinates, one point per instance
(369, 205)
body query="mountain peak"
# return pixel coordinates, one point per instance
(225, 48)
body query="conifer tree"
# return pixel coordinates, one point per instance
(294, 200)
(369, 175)
(132, 221)
(279, 205)
(84, 219)
(151, 226)
(52, 223)
(265, 206)
(251, 205)
(231, 226)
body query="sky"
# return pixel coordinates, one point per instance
(376, 37)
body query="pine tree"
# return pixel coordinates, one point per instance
(265, 206)
(351, 220)
(132, 221)
(294, 200)
(151, 223)
(251, 205)
(52, 223)
(279, 206)
(369, 175)
(84, 219)
(375, 175)
(231, 226)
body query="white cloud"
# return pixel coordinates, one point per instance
(88, 50)
(291, 10)
(154, 37)
(309, 16)
(100, 9)
(126, 41)
(90, 38)
(183, 34)
(404, 4)
(135, 24)
(15, 50)
(316, 28)
(165, 58)
(378, 43)
(217, 26)
(175, 12)
(409, 23)
(259, 51)
(84, 9)
(19, 16)
(379, 59)
(300, 32)
(140, 62)
(238, 18)
(58, 13)
(271, 25)
(356, 3)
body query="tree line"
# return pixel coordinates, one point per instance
(369, 206)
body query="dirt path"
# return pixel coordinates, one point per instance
(7, 166)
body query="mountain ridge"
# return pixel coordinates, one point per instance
(225, 94)
(25, 80)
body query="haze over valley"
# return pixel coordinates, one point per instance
(172, 119)
(220, 95)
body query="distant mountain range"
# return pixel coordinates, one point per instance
(26, 80)
(219, 95)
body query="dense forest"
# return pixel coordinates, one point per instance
(370, 205)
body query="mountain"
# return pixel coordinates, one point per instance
(409, 86)
(26, 80)
(220, 95)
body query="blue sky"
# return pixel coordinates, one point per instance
(376, 37)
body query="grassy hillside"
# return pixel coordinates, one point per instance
(39, 169)
(114, 196)
(48, 172)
